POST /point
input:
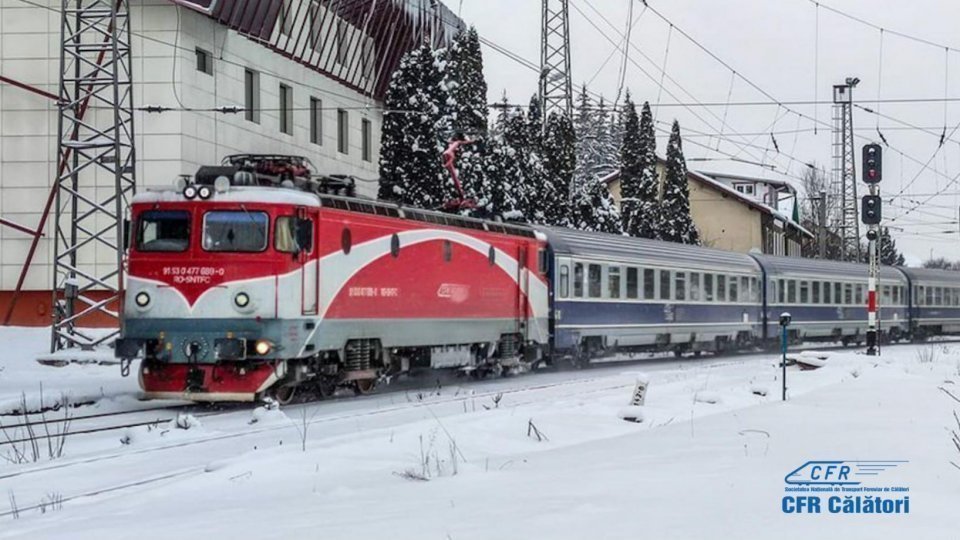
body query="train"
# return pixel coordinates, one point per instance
(256, 278)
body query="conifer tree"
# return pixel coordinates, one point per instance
(889, 255)
(559, 165)
(411, 170)
(592, 204)
(639, 181)
(676, 224)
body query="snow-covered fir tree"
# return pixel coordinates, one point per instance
(639, 181)
(889, 255)
(559, 165)
(610, 138)
(412, 141)
(592, 204)
(676, 224)
(467, 111)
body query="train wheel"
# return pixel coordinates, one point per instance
(363, 387)
(326, 388)
(285, 394)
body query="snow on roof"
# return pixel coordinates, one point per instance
(771, 181)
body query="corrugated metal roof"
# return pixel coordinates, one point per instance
(950, 277)
(644, 251)
(815, 267)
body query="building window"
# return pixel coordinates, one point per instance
(286, 109)
(746, 189)
(367, 59)
(251, 95)
(367, 139)
(316, 121)
(343, 132)
(204, 62)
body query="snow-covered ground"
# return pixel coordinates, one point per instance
(545, 455)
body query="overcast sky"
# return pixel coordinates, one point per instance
(772, 43)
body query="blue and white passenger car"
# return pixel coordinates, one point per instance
(828, 299)
(615, 293)
(936, 301)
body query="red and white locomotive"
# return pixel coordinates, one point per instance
(251, 280)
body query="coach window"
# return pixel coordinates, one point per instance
(847, 293)
(680, 286)
(708, 287)
(826, 292)
(772, 291)
(895, 295)
(837, 293)
(791, 291)
(804, 292)
(578, 280)
(860, 300)
(665, 285)
(721, 288)
(564, 281)
(632, 282)
(649, 284)
(734, 290)
(613, 281)
(938, 296)
(815, 292)
(745, 289)
(235, 231)
(694, 286)
(594, 274)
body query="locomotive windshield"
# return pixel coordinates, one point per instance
(163, 230)
(236, 231)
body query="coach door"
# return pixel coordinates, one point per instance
(309, 262)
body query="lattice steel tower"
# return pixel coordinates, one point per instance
(556, 89)
(843, 206)
(96, 148)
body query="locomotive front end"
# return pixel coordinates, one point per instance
(214, 302)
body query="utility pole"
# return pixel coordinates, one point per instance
(844, 171)
(556, 88)
(95, 184)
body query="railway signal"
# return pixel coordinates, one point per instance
(872, 163)
(871, 214)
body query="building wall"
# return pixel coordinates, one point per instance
(170, 143)
(723, 222)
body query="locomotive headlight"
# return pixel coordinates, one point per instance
(204, 192)
(142, 299)
(190, 192)
(242, 300)
(262, 347)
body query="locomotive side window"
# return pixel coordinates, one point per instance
(594, 274)
(235, 231)
(564, 281)
(293, 235)
(346, 241)
(163, 231)
(632, 283)
(578, 280)
(395, 248)
(613, 281)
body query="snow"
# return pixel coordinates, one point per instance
(463, 461)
